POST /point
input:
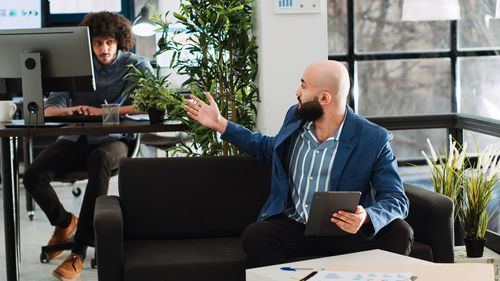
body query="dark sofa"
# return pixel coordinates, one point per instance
(181, 219)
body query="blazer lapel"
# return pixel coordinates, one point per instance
(345, 147)
(289, 127)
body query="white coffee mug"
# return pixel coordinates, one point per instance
(7, 110)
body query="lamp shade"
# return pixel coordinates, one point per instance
(142, 26)
(430, 10)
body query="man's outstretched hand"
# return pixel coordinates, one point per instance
(207, 115)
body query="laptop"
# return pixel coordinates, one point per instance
(323, 205)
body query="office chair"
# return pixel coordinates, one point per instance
(72, 178)
(163, 142)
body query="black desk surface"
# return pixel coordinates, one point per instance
(95, 128)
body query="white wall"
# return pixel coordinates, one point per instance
(288, 43)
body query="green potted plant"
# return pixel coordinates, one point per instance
(222, 60)
(479, 189)
(448, 177)
(470, 186)
(152, 95)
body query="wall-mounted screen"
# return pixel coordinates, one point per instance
(83, 6)
(20, 14)
(71, 12)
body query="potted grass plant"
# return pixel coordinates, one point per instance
(448, 170)
(470, 186)
(448, 177)
(479, 188)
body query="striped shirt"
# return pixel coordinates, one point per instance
(309, 168)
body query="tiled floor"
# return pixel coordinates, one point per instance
(36, 233)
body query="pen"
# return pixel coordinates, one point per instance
(308, 276)
(289, 268)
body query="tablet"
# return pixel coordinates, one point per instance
(323, 205)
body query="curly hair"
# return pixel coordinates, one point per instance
(108, 24)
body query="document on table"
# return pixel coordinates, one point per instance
(360, 276)
(407, 272)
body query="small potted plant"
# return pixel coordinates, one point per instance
(479, 189)
(448, 177)
(151, 94)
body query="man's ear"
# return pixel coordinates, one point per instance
(325, 97)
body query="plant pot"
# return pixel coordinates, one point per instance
(474, 247)
(156, 115)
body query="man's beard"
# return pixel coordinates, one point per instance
(309, 111)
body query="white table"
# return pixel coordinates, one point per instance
(274, 273)
(489, 256)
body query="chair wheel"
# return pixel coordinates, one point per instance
(31, 215)
(44, 257)
(93, 263)
(76, 191)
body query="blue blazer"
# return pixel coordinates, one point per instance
(364, 162)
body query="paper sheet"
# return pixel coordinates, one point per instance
(360, 276)
(423, 272)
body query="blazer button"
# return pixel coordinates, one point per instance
(263, 215)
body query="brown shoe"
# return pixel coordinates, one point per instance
(70, 268)
(62, 235)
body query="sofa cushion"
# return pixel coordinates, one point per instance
(214, 259)
(208, 197)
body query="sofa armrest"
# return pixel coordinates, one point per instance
(108, 227)
(431, 217)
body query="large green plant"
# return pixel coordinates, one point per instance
(222, 60)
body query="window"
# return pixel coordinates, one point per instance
(378, 28)
(402, 87)
(428, 67)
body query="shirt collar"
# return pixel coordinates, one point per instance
(309, 126)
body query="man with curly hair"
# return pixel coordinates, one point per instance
(111, 40)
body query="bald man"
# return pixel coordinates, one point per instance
(322, 146)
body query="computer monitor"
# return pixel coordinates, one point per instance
(44, 59)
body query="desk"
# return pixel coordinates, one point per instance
(273, 272)
(8, 144)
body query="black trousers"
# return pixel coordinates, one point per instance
(62, 157)
(280, 239)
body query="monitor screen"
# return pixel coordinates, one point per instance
(20, 14)
(56, 59)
